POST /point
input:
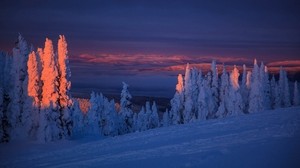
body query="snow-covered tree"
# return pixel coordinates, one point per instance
(224, 91)
(202, 102)
(78, 119)
(244, 88)
(154, 119)
(166, 119)
(93, 115)
(255, 97)
(34, 78)
(109, 121)
(48, 127)
(275, 94)
(265, 86)
(284, 88)
(125, 110)
(18, 96)
(296, 94)
(214, 87)
(49, 76)
(64, 74)
(142, 120)
(188, 101)
(235, 103)
(177, 102)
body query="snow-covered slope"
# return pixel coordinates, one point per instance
(266, 139)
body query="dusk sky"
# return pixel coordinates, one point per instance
(140, 41)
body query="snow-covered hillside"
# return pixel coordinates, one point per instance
(265, 139)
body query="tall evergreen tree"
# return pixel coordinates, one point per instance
(18, 94)
(224, 91)
(255, 97)
(177, 102)
(125, 110)
(235, 106)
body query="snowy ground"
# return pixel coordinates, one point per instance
(266, 139)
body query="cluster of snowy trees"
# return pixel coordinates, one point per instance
(34, 97)
(200, 97)
(107, 118)
(35, 100)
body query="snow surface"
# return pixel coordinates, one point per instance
(265, 139)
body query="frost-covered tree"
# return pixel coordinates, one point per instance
(275, 94)
(34, 78)
(48, 129)
(18, 96)
(49, 76)
(154, 119)
(214, 87)
(64, 74)
(224, 91)
(109, 119)
(142, 120)
(296, 94)
(93, 116)
(78, 119)
(255, 97)
(202, 102)
(235, 103)
(188, 100)
(166, 119)
(177, 102)
(284, 88)
(244, 88)
(265, 86)
(125, 110)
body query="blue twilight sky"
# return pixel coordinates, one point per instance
(134, 41)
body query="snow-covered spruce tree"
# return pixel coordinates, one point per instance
(296, 94)
(17, 93)
(154, 119)
(126, 111)
(214, 88)
(188, 101)
(49, 76)
(48, 130)
(224, 97)
(50, 88)
(34, 90)
(142, 120)
(284, 88)
(34, 77)
(166, 119)
(274, 96)
(64, 74)
(202, 102)
(135, 122)
(94, 116)
(148, 114)
(244, 89)
(177, 102)
(255, 97)
(78, 119)
(235, 103)
(109, 119)
(265, 86)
